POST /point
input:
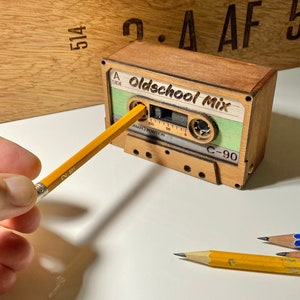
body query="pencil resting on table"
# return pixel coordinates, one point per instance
(243, 261)
(287, 240)
(55, 178)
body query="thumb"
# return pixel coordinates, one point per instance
(17, 195)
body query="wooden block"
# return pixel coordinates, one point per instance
(207, 116)
(51, 51)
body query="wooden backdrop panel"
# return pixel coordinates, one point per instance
(51, 50)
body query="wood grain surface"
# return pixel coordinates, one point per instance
(51, 51)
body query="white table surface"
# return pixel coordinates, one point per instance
(136, 214)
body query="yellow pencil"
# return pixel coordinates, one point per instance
(55, 178)
(246, 262)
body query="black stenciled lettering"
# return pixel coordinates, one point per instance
(188, 25)
(178, 94)
(139, 28)
(134, 81)
(224, 106)
(154, 88)
(169, 91)
(146, 85)
(219, 103)
(290, 35)
(78, 38)
(230, 155)
(249, 22)
(216, 103)
(226, 154)
(209, 101)
(188, 97)
(161, 90)
(196, 97)
(230, 18)
(141, 82)
(211, 149)
(116, 76)
(77, 30)
(151, 86)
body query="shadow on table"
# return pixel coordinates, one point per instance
(56, 271)
(58, 266)
(282, 158)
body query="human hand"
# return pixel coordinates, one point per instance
(17, 209)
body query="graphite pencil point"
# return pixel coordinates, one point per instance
(282, 253)
(246, 261)
(264, 238)
(291, 240)
(180, 254)
(292, 254)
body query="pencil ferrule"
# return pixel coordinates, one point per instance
(41, 191)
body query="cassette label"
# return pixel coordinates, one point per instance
(194, 100)
(181, 116)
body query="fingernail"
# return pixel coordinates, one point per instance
(21, 190)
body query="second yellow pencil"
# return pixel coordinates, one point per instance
(246, 262)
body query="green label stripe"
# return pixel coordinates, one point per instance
(230, 133)
(119, 101)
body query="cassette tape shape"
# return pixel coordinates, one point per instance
(207, 116)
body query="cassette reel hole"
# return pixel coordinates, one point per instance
(133, 104)
(203, 129)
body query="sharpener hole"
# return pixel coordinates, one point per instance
(187, 168)
(133, 104)
(161, 38)
(202, 175)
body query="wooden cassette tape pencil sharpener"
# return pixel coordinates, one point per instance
(207, 116)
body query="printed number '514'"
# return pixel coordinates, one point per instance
(78, 38)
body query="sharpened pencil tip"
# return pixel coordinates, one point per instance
(180, 254)
(264, 238)
(282, 253)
